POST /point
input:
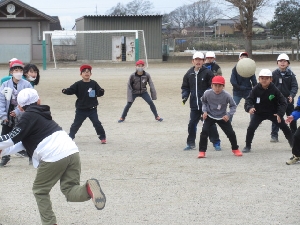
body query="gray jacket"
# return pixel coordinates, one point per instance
(137, 84)
(5, 98)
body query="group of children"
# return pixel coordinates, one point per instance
(269, 99)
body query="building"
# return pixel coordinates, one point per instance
(119, 46)
(21, 31)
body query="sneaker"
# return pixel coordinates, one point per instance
(189, 147)
(247, 149)
(237, 152)
(94, 191)
(121, 120)
(159, 119)
(22, 153)
(30, 161)
(103, 141)
(293, 160)
(4, 160)
(274, 139)
(217, 146)
(201, 155)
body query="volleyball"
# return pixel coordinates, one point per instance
(246, 67)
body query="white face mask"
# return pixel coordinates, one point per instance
(18, 75)
(140, 69)
(31, 78)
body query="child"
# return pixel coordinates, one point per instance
(266, 102)
(285, 80)
(9, 72)
(137, 87)
(214, 106)
(295, 115)
(195, 82)
(210, 63)
(9, 112)
(241, 85)
(31, 74)
(86, 91)
(54, 154)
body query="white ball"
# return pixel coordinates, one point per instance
(246, 67)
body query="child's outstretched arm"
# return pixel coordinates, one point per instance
(71, 90)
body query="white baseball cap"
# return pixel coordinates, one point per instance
(13, 59)
(283, 56)
(198, 55)
(27, 96)
(265, 73)
(210, 55)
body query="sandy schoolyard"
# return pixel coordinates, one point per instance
(143, 170)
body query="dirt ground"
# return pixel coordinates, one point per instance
(143, 170)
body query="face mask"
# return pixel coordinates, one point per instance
(140, 69)
(18, 75)
(31, 78)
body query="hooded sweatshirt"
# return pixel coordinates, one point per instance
(43, 138)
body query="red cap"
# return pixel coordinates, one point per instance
(140, 62)
(85, 66)
(243, 53)
(218, 80)
(16, 63)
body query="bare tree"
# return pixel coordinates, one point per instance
(119, 9)
(139, 7)
(246, 9)
(179, 18)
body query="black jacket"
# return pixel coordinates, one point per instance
(286, 83)
(194, 85)
(86, 93)
(266, 101)
(34, 126)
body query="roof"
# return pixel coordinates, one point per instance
(29, 8)
(109, 16)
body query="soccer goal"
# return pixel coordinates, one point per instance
(95, 45)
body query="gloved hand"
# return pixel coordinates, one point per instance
(184, 100)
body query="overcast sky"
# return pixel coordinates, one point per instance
(68, 10)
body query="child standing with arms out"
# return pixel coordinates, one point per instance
(86, 91)
(285, 80)
(9, 112)
(266, 102)
(54, 154)
(137, 87)
(195, 82)
(214, 106)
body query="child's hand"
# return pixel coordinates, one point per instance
(289, 119)
(63, 90)
(184, 100)
(204, 116)
(290, 99)
(252, 110)
(12, 113)
(278, 118)
(225, 118)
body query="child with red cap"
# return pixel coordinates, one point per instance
(137, 87)
(214, 106)
(9, 113)
(86, 91)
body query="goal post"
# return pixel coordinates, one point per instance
(102, 45)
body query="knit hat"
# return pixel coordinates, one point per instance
(27, 96)
(140, 62)
(16, 63)
(85, 66)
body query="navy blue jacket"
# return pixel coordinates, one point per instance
(241, 85)
(194, 85)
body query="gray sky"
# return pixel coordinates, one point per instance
(68, 10)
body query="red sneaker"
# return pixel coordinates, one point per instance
(201, 155)
(237, 152)
(103, 141)
(94, 191)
